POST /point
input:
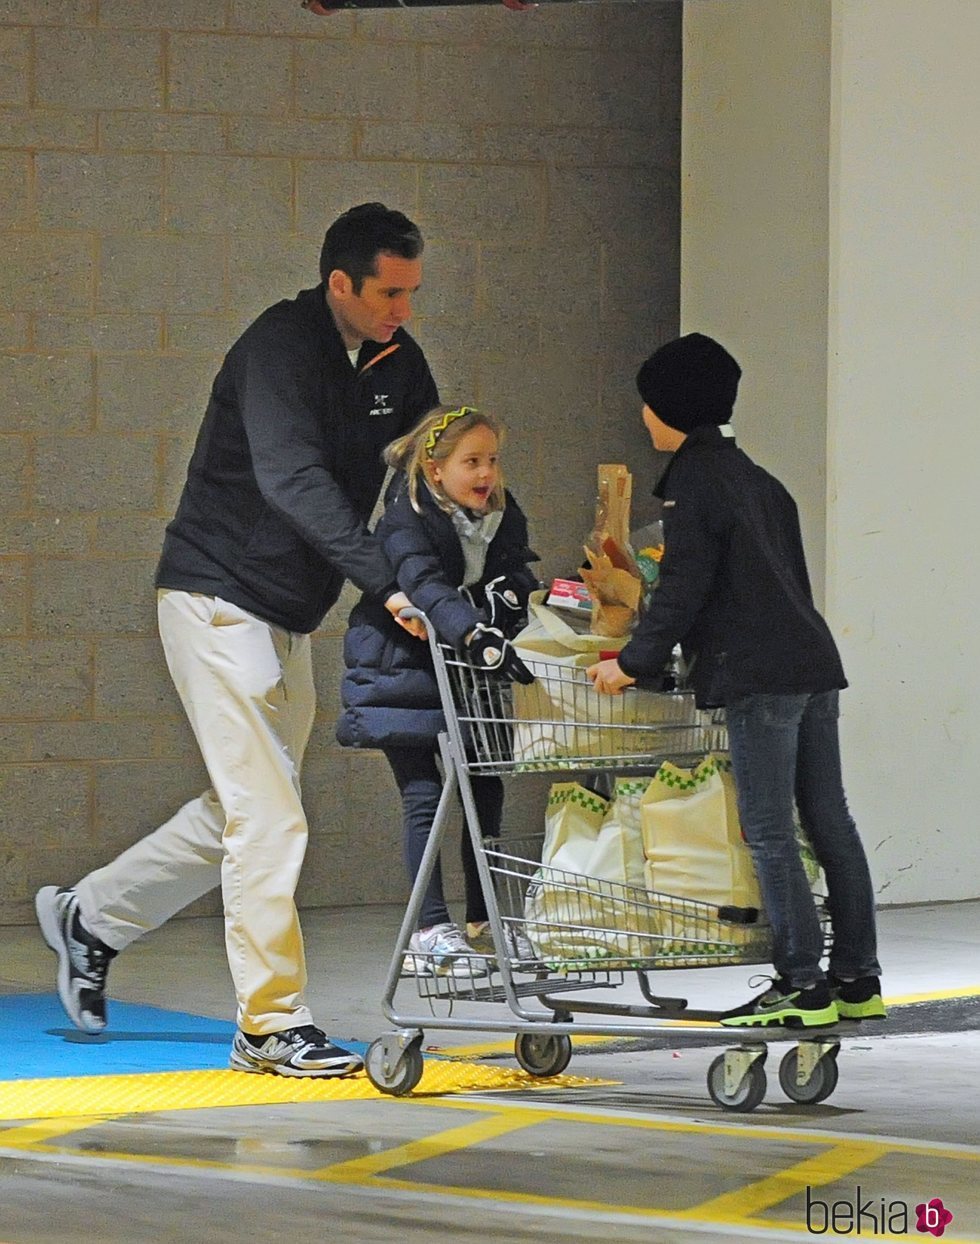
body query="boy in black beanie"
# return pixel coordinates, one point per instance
(735, 593)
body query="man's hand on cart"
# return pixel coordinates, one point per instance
(395, 603)
(486, 648)
(608, 678)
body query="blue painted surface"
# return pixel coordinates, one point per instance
(39, 1043)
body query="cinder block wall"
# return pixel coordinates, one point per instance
(166, 171)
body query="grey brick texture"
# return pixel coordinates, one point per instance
(166, 172)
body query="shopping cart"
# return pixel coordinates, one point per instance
(560, 936)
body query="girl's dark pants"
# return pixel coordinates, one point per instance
(420, 784)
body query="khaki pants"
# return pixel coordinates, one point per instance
(247, 688)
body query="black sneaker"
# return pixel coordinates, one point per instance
(83, 960)
(858, 999)
(782, 1004)
(303, 1052)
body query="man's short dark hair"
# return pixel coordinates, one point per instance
(355, 239)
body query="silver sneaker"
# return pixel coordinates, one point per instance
(442, 951)
(83, 960)
(480, 938)
(303, 1052)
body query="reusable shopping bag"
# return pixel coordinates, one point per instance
(586, 902)
(692, 838)
(573, 819)
(695, 854)
(561, 716)
(743, 858)
(618, 852)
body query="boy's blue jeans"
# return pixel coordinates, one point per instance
(785, 747)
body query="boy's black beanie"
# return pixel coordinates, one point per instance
(690, 381)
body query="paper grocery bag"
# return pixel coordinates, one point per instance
(615, 596)
(613, 577)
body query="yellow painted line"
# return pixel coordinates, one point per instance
(735, 1210)
(510, 1197)
(822, 1168)
(746, 1131)
(86, 1096)
(417, 1189)
(30, 1135)
(936, 995)
(449, 1141)
(655, 1216)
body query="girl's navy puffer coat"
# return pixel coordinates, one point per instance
(389, 689)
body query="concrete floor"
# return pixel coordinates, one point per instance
(638, 1152)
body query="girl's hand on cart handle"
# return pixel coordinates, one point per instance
(398, 601)
(608, 678)
(486, 648)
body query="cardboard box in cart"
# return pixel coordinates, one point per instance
(570, 594)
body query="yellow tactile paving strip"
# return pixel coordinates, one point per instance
(450, 1073)
(84, 1096)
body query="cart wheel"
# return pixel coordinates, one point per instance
(396, 1076)
(542, 1055)
(822, 1082)
(749, 1093)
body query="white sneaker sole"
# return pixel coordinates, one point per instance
(422, 965)
(238, 1062)
(49, 919)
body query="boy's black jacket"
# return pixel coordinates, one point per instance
(734, 589)
(389, 690)
(287, 466)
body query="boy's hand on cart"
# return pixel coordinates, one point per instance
(608, 678)
(486, 648)
(395, 603)
(506, 612)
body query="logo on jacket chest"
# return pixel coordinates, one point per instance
(381, 405)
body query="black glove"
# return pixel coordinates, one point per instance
(505, 609)
(487, 649)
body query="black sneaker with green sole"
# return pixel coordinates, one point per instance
(786, 1007)
(858, 999)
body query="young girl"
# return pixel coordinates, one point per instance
(457, 541)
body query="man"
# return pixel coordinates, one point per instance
(735, 593)
(284, 476)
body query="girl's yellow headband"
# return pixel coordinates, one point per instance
(437, 429)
